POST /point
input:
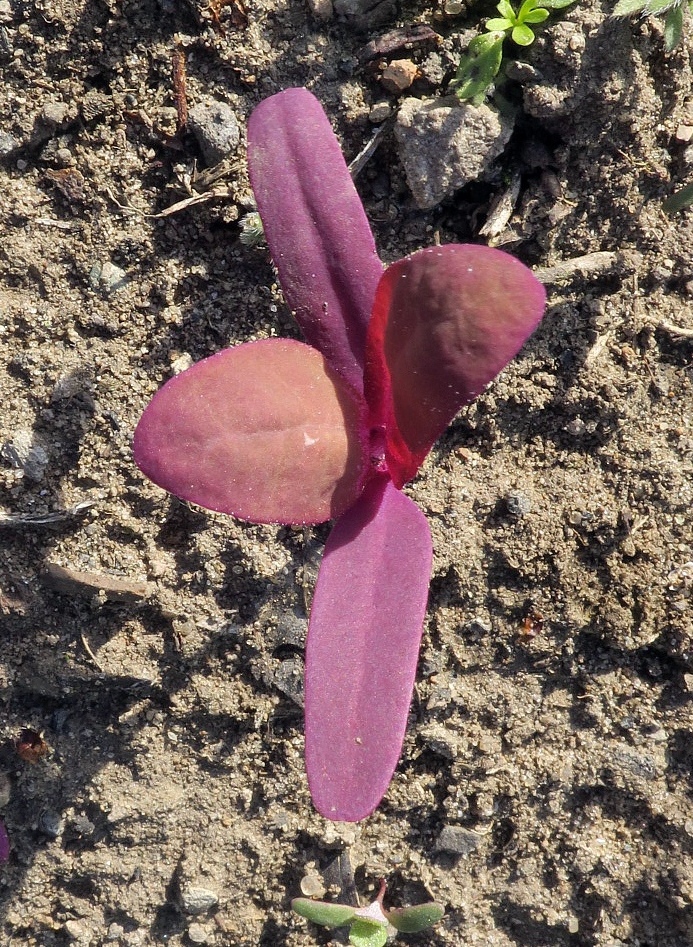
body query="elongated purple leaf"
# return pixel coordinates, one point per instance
(362, 649)
(315, 225)
(266, 431)
(446, 320)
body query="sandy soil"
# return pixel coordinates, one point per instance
(169, 696)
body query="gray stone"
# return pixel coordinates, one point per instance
(194, 900)
(215, 126)
(107, 278)
(456, 840)
(23, 453)
(444, 144)
(50, 824)
(517, 503)
(8, 144)
(198, 934)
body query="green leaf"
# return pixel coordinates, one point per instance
(680, 200)
(673, 28)
(522, 35)
(557, 4)
(628, 7)
(536, 16)
(417, 918)
(366, 933)
(526, 8)
(655, 7)
(321, 912)
(506, 11)
(479, 67)
(499, 23)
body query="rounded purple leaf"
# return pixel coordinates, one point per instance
(446, 320)
(266, 431)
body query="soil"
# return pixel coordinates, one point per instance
(552, 715)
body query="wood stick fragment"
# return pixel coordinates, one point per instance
(591, 264)
(75, 582)
(180, 93)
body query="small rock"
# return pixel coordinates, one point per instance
(50, 824)
(312, 885)
(444, 144)
(291, 629)
(55, 113)
(215, 126)
(380, 112)
(399, 75)
(182, 363)
(517, 503)
(76, 931)
(8, 144)
(5, 790)
(198, 934)
(114, 932)
(107, 278)
(24, 454)
(194, 900)
(321, 9)
(456, 840)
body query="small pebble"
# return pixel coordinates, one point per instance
(107, 278)
(399, 75)
(517, 503)
(50, 824)
(76, 931)
(194, 900)
(456, 840)
(380, 112)
(5, 790)
(215, 126)
(198, 934)
(54, 113)
(182, 363)
(8, 144)
(312, 886)
(25, 455)
(321, 9)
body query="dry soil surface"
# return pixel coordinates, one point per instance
(550, 735)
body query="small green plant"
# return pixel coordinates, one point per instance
(482, 62)
(370, 926)
(671, 10)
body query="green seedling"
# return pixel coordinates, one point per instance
(680, 200)
(671, 11)
(373, 925)
(482, 62)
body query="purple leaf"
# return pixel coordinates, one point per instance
(315, 225)
(362, 649)
(4, 844)
(446, 320)
(266, 431)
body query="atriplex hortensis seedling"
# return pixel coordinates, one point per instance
(278, 431)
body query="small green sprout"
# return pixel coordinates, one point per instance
(482, 62)
(671, 10)
(370, 926)
(252, 232)
(679, 201)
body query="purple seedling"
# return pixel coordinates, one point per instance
(278, 431)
